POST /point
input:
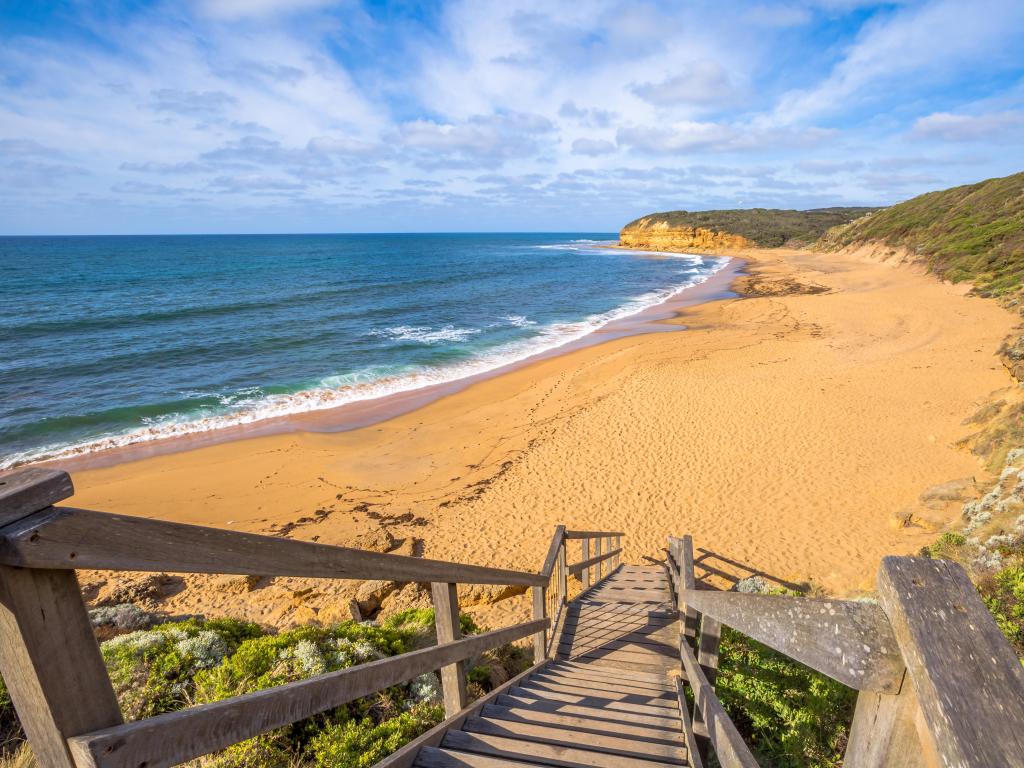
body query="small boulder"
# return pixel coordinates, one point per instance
(371, 594)
(954, 490)
(411, 595)
(237, 585)
(487, 594)
(376, 540)
(140, 589)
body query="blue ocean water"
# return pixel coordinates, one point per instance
(110, 341)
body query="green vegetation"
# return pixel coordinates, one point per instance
(765, 227)
(788, 714)
(974, 232)
(196, 661)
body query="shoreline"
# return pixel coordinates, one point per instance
(793, 432)
(366, 413)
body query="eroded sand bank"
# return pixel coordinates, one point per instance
(786, 432)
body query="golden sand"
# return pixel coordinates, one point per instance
(785, 432)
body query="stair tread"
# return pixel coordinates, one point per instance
(550, 754)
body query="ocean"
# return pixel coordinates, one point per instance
(113, 341)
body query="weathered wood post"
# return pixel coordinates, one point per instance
(446, 621)
(540, 640)
(618, 546)
(966, 677)
(687, 581)
(563, 574)
(707, 658)
(585, 573)
(49, 657)
(599, 568)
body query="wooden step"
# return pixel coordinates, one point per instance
(538, 752)
(658, 668)
(611, 714)
(582, 725)
(608, 686)
(656, 708)
(432, 757)
(559, 736)
(597, 679)
(571, 666)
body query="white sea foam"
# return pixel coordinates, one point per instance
(369, 384)
(425, 334)
(519, 321)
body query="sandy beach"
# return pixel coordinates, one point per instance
(792, 430)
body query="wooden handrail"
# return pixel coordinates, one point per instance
(938, 682)
(577, 568)
(56, 675)
(552, 557)
(729, 746)
(849, 641)
(174, 737)
(69, 538)
(592, 534)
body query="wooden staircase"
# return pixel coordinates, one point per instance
(609, 698)
(625, 656)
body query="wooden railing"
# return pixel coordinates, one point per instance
(938, 683)
(51, 662)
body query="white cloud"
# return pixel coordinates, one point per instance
(1001, 127)
(699, 82)
(592, 147)
(907, 49)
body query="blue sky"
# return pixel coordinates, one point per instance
(306, 115)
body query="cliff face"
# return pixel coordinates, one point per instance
(650, 233)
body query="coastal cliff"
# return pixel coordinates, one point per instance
(654, 234)
(753, 227)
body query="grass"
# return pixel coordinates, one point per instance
(974, 232)
(765, 227)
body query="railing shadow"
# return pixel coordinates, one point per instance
(710, 567)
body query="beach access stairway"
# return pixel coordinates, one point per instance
(625, 656)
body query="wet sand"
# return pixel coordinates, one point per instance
(787, 432)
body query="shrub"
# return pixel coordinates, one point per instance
(788, 713)
(361, 743)
(948, 546)
(153, 671)
(1003, 595)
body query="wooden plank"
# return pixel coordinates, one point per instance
(883, 733)
(849, 641)
(692, 748)
(576, 568)
(563, 577)
(603, 743)
(406, 756)
(686, 578)
(614, 688)
(707, 658)
(435, 757)
(547, 754)
(546, 689)
(585, 554)
(729, 746)
(446, 622)
(540, 640)
(552, 557)
(667, 719)
(591, 534)
(580, 725)
(51, 663)
(175, 737)
(24, 491)
(585, 701)
(968, 681)
(64, 537)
